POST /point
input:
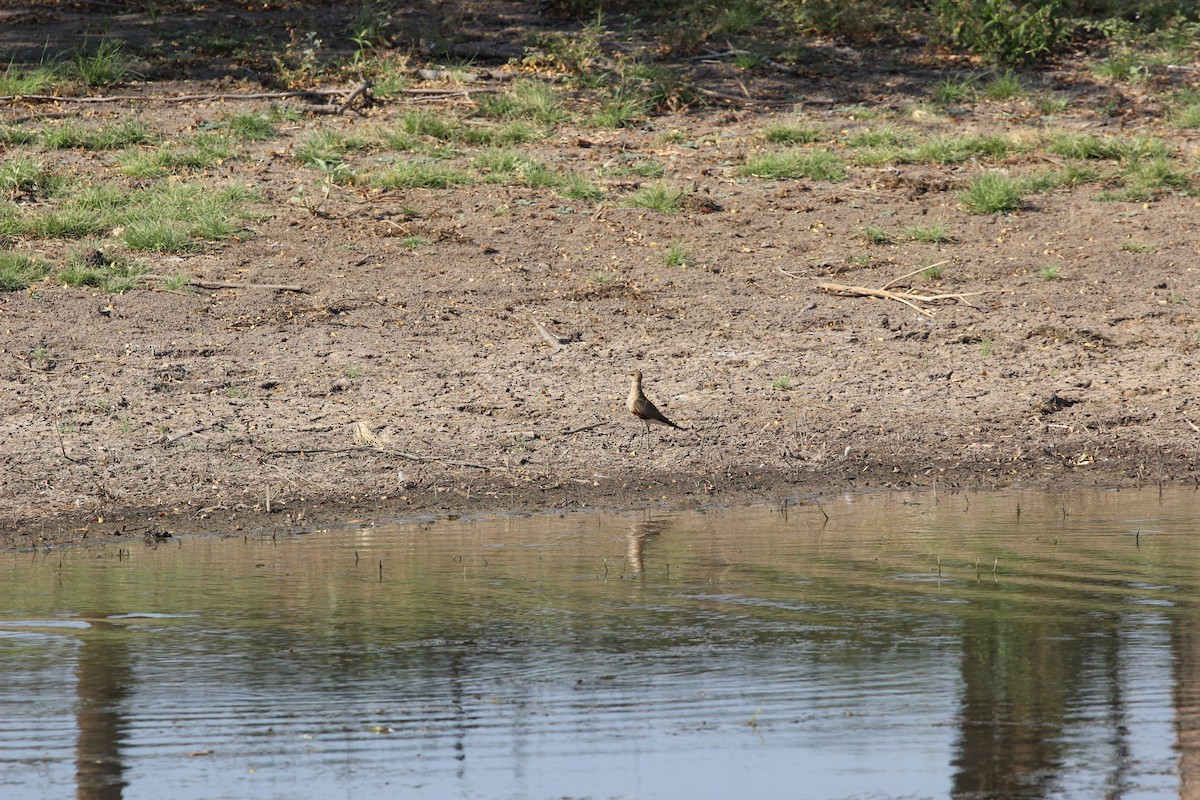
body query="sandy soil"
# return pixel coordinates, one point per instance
(409, 381)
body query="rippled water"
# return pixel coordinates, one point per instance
(977, 646)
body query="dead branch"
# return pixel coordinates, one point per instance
(909, 299)
(591, 427)
(205, 284)
(556, 341)
(175, 437)
(180, 98)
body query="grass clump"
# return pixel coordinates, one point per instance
(819, 165)
(954, 90)
(1005, 86)
(108, 65)
(1134, 246)
(876, 235)
(19, 175)
(933, 233)
(781, 133)
(75, 136)
(20, 271)
(420, 175)
(1146, 180)
(656, 197)
(577, 187)
(993, 193)
(642, 168)
(676, 256)
(1050, 272)
(326, 149)
(1106, 148)
(250, 127)
(528, 100)
(41, 80)
(509, 166)
(200, 152)
(88, 266)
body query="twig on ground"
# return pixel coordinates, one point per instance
(908, 298)
(557, 341)
(206, 284)
(175, 437)
(591, 427)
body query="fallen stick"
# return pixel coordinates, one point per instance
(205, 284)
(175, 437)
(909, 299)
(591, 427)
(557, 341)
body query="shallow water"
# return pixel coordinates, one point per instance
(918, 645)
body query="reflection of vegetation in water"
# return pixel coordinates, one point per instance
(1027, 594)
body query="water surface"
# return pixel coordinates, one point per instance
(978, 646)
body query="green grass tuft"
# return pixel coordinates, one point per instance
(819, 165)
(992, 193)
(19, 271)
(656, 197)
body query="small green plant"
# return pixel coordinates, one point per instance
(992, 193)
(19, 271)
(885, 136)
(954, 90)
(641, 168)
(747, 61)
(157, 236)
(1053, 103)
(88, 266)
(418, 174)
(656, 197)
(622, 109)
(676, 256)
(354, 372)
(198, 153)
(876, 235)
(783, 382)
(933, 233)
(39, 80)
(20, 175)
(933, 272)
(1049, 272)
(250, 127)
(781, 133)
(1002, 31)
(1005, 86)
(73, 135)
(414, 242)
(577, 187)
(1134, 246)
(820, 165)
(108, 65)
(1126, 66)
(1186, 115)
(985, 347)
(1109, 148)
(178, 282)
(738, 18)
(529, 100)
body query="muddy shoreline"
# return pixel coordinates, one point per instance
(465, 348)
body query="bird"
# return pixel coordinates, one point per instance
(641, 407)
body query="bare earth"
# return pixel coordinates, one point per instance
(407, 381)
